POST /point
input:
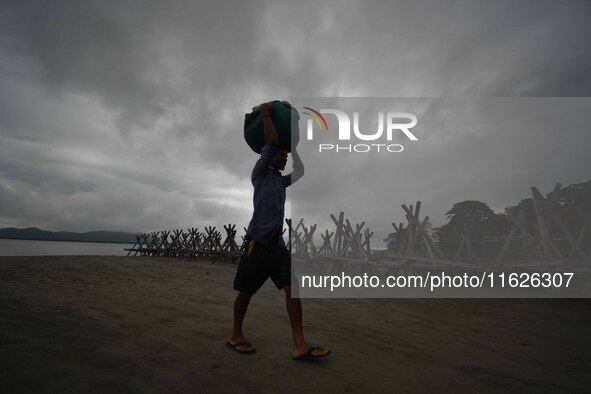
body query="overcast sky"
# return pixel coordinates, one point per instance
(128, 116)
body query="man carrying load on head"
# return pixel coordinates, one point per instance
(266, 254)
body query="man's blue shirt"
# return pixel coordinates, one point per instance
(269, 196)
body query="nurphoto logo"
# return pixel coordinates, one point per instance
(394, 123)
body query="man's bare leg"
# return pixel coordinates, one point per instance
(240, 308)
(294, 310)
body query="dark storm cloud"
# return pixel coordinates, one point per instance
(128, 115)
(130, 54)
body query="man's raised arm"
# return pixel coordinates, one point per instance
(271, 142)
(268, 126)
(298, 166)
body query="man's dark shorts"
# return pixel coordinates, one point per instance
(260, 262)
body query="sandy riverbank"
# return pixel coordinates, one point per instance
(137, 324)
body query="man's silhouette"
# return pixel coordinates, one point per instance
(266, 254)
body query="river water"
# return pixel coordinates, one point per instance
(22, 247)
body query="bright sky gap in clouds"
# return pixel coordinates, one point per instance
(128, 115)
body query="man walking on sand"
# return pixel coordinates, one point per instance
(266, 254)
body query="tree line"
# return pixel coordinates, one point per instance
(479, 222)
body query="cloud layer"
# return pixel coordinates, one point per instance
(128, 116)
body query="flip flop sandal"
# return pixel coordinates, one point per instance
(234, 346)
(308, 356)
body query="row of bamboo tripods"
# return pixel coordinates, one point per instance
(346, 242)
(192, 243)
(212, 244)
(414, 241)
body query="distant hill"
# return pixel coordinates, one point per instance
(35, 233)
